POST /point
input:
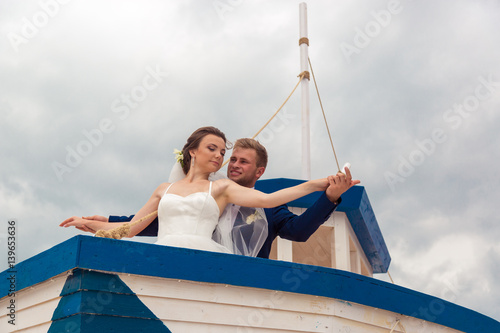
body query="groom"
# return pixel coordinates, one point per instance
(246, 165)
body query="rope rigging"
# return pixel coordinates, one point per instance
(124, 229)
(324, 116)
(303, 75)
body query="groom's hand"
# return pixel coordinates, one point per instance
(339, 184)
(96, 218)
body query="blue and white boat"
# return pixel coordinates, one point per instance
(88, 284)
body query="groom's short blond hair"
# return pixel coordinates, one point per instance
(261, 151)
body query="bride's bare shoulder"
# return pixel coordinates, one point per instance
(224, 182)
(160, 190)
(221, 185)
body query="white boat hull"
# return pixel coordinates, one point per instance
(90, 284)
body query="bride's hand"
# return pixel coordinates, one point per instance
(339, 184)
(77, 222)
(319, 184)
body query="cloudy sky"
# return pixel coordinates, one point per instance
(94, 96)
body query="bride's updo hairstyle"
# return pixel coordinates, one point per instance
(193, 142)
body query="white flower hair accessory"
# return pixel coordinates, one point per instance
(179, 157)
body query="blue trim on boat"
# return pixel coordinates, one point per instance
(358, 210)
(89, 299)
(89, 323)
(120, 256)
(47, 266)
(95, 281)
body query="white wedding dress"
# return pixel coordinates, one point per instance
(189, 221)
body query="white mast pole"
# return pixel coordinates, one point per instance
(304, 66)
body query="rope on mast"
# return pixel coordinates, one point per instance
(124, 229)
(324, 116)
(301, 76)
(303, 40)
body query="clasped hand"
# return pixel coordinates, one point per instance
(339, 184)
(81, 223)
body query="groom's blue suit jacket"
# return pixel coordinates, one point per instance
(281, 222)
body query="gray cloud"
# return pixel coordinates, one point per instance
(232, 69)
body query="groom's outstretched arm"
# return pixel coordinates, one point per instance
(299, 228)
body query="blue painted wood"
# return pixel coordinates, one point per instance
(176, 263)
(95, 297)
(358, 210)
(101, 303)
(42, 266)
(96, 281)
(364, 223)
(194, 265)
(85, 323)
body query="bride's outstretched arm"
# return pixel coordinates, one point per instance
(335, 186)
(150, 206)
(85, 224)
(247, 197)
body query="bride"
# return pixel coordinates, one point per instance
(189, 209)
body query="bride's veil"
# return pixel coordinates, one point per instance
(242, 230)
